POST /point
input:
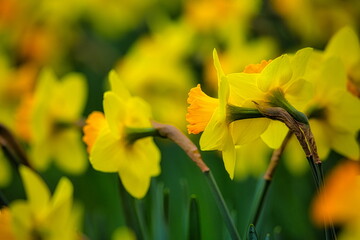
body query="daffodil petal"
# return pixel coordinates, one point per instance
(139, 113)
(70, 97)
(299, 93)
(69, 152)
(36, 190)
(242, 87)
(115, 111)
(118, 86)
(322, 137)
(345, 114)
(247, 130)
(22, 219)
(219, 70)
(274, 134)
(295, 158)
(212, 137)
(61, 205)
(40, 154)
(229, 157)
(344, 44)
(300, 61)
(106, 152)
(278, 72)
(346, 145)
(140, 167)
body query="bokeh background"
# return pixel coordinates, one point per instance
(160, 50)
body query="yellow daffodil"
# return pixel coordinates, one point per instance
(338, 202)
(333, 112)
(345, 44)
(279, 82)
(42, 216)
(50, 118)
(118, 142)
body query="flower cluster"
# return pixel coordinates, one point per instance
(306, 82)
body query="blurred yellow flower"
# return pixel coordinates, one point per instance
(314, 21)
(117, 142)
(42, 216)
(345, 44)
(49, 121)
(156, 69)
(333, 112)
(338, 202)
(6, 232)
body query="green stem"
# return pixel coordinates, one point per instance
(133, 134)
(264, 184)
(259, 200)
(222, 206)
(140, 218)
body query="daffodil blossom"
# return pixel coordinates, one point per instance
(233, 119)
(118, 142)
(43, 216)
(49, 122)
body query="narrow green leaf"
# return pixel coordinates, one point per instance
(194, 219)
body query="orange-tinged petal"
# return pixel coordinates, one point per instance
(256, 68)
(94, 124)
(200, 110)
(6, 231)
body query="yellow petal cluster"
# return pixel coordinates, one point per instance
(41, 216)
(48, 121)
(111, 149)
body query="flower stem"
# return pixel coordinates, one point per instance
(172, 133)
(265, 182)
(11, 148)
(222, 206)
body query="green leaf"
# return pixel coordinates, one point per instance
(252, 235)
(194, 219)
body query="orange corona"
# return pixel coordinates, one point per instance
(200, 110)
(94, 124)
